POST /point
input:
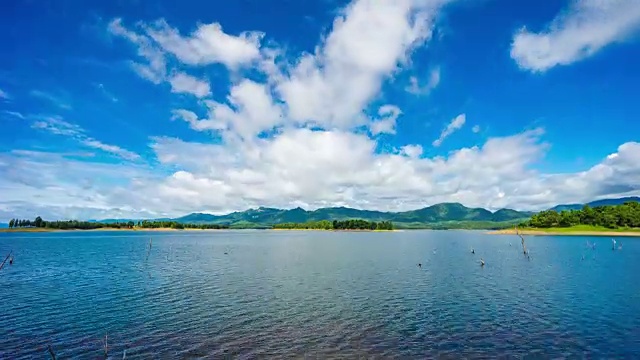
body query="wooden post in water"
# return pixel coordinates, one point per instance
(106, 349)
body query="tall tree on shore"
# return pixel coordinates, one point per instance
(11, 223)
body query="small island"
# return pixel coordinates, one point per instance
(612, 220)
(346, 225)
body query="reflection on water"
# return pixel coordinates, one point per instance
(317, 293)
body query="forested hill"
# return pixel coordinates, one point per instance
(626, 215)
(436, 214)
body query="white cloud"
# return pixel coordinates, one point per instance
(14, 114)
(112, 149)
(4, 95)
(412, 151)
(582, 30)
(433, 82)
(208, 44)
(250, 111)
(311, 169)
(56, 125)
(337, 163)
(453, 126)
(387, 122)
(184, 83)
(369, 41)
(330, 88)
(475, 129)
(155, 68)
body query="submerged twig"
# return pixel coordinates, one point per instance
(149, 250)
(53, 355)
(106, 349)
(5, 260)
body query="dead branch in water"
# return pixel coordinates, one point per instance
(53, 355)
(524, 247)
(149, 250)
(5, 260)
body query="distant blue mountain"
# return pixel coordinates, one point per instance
(602, 202)
(433, 214)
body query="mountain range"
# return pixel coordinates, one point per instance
(444, 215)
(432, 215)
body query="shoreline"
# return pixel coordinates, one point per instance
(40, 230)
(569, 232)
(37, 230)
(346, 230)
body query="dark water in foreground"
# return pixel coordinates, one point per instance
(318, 294)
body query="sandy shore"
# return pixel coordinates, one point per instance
(335, 230)
(564, 233)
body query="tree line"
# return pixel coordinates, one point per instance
(353, 224)
(89, 225)
(626, 215)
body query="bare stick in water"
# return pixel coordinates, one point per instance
(106, 348)
(149, 250)
(5, 260)
(524, 248)
(53, 355)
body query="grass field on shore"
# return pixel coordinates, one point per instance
(573, 230)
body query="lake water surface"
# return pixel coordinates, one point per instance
(319, 294)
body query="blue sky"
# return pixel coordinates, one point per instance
(138, 108)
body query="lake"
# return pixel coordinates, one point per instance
(319, 294)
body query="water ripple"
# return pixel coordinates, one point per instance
(316, 295)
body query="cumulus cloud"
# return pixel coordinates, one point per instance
(300, 131)
(433, 81)
(208, 44)
(184, 83)
(412, 151)
(386, 123)
(455, 125)
(582, 30)
(312, 168)
(369, 41)
(250, 111)
(475, 129)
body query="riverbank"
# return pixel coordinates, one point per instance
(26, 230)
(569, 231)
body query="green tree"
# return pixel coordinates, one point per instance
(37, 222)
